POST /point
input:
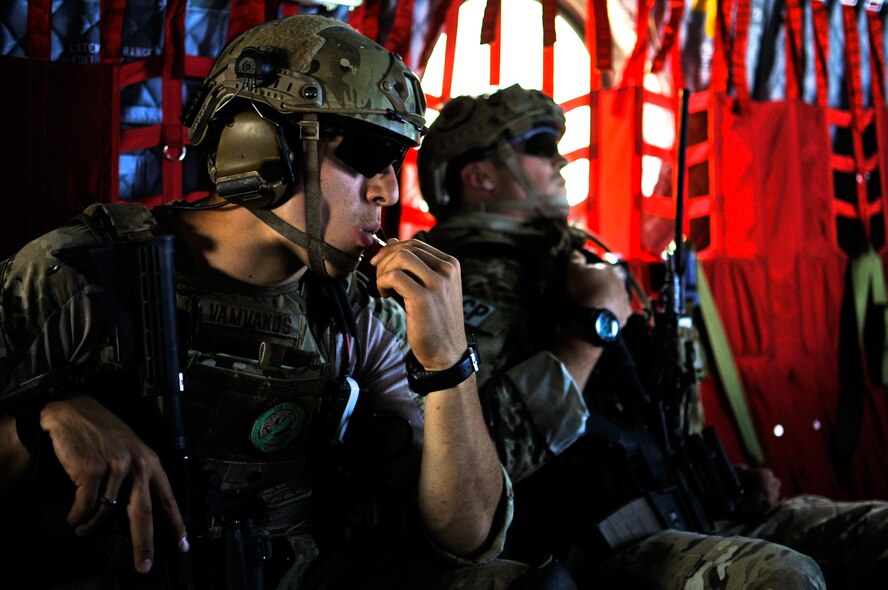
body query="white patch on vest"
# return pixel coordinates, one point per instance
(268, 322)
(475, 311)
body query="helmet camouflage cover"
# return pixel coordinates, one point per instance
(468, 123)
(313, 64)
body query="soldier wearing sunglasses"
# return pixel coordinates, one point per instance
(308, 462)
(549, 318)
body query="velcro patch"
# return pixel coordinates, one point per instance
(475, 311)
(225, 315)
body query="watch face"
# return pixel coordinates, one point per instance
(606, 326)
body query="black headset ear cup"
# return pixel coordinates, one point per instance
(253, 165)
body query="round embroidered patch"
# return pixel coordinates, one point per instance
(277, 427)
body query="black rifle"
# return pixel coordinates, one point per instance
(682, 480)
(139, 289)
(138, 296)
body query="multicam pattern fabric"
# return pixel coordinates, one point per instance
(803, 540)
(808, 542)
(678, 560)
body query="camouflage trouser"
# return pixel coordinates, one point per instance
(848, 539)
(678, 560)
(805, 543)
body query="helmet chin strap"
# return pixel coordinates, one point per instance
(547, 206)
(312, 239)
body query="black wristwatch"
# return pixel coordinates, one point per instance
(423, 382)
(600, 325)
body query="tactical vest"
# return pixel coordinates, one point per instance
(262, 386)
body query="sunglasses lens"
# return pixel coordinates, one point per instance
(370, 154)
(543, 145)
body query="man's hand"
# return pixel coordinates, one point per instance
(761, 490)
(429, 283)
(598, 285)
(100, 453)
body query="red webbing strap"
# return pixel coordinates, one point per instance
(795, 72)
(172, 75)
(111, 39)
(633, 72)
(677, 70)
(450, 27)
(670, 34)
(38, 39)
(820, 15)
(437, 18)
(549, 70)
(852, 65)
(490, 20)
(244, 15)
(860, 117)
(110, 34)
(591, 40)
(593, 207)
(598, 33)
(496, 54)
(550, 10)
(722, 43)
(370, 25)
(491, 33)
(398, 39)
(738, 53)
(877, 56)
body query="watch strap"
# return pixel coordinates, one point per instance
(423, 382)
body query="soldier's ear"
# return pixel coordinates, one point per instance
(475, 175)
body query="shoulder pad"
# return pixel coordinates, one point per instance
(115, 221)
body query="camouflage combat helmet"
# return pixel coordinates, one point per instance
(487, 125)
(306, 76)
(313, 64)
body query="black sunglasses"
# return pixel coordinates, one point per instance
(543, 145)
(366, 152)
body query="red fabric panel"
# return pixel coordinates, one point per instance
(47, 177)
(616, 115)
(777, 279)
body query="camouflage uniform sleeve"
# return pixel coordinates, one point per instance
(47, 313)
(532, 405)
